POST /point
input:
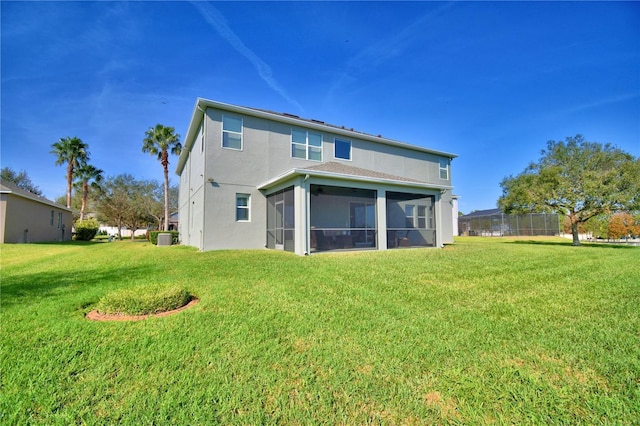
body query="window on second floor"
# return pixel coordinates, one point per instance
(444, 168)
(231, 132)
(306, 145)
(342, 149)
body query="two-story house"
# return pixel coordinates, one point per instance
(251, 178)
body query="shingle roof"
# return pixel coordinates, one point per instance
(343, 169)
(11, 188)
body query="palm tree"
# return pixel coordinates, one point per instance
(73, 152)
(87, 176)
(160, 141)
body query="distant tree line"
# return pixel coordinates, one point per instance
(120, 201)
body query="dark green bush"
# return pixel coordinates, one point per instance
(86, 229)
(143, 300)
(153, 236)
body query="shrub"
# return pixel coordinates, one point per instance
(143, 300)
(153, 236)
(86, 229)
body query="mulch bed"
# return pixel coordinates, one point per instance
(96, 316)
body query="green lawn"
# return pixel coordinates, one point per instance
(484, 331)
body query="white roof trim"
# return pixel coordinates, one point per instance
(340, 176)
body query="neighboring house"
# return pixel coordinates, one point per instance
(252, 178)
(29, 218)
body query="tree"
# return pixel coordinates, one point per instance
(160, 141)
(576, 178)
(73, 152)
(125, 202)
(622, 224)
(156, 208)
(20, 179)
(87, 176)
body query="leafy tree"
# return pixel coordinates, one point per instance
(622, 224)
(576, 178)
(20, 179)
(74, 153)
(125, 202)
(160, 141)
(87, 176)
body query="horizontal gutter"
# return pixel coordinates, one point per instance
(339, 176)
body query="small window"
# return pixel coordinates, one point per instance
(408, 211)
(444, 168)
(59, 220)
(52, 215)
(422, 217)
(306, 145)
(242, 207)
(231, 132)
(342, 149)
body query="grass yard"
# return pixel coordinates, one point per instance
(485, 331)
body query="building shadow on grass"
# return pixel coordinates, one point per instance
(30, 287)
(570, 244)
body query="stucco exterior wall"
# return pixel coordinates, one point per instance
(212, 176)
(20, 214)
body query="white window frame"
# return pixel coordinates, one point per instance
(241, 133)
(335, 144)
(306, 145)
(247, 197)
(444, 169)
(427, 217)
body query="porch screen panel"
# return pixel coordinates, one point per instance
(280, 220)
(410, 220)
(342, 218)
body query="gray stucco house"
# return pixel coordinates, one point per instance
(29, 218)
(251, 178)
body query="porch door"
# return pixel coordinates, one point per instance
(363, 220)
(279, 229)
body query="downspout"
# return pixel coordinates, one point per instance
(204, 173)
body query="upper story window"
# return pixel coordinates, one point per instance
(342, 149)
(231, 132)
(444, 168)
(306, 145)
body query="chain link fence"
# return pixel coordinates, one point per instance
(495, 223)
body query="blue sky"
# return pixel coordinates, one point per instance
(489, 81)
